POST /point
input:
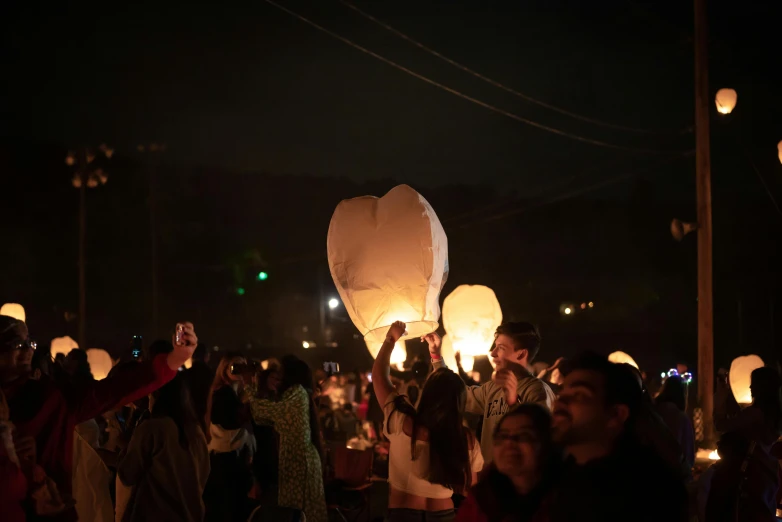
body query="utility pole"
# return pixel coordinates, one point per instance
(703, 198)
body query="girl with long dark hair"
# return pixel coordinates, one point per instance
(431, 454)
(295, 418)
(167, 462)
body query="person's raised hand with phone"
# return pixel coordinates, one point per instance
(185, 342)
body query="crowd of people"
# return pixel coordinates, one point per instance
(583, 440)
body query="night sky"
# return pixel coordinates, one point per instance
(246, 88)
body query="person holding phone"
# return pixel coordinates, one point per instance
(47, 412)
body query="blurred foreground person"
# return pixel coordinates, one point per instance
(608, 475)
(669, 405)
(46, 413)
(522, 474)
(167, 462)
(199, 379)
(296, 421)
(432, 455)
(515, 346)
(746, 479)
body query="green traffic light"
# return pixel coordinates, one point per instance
(262, 276)
(240, 291)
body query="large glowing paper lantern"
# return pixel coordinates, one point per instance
(100, 363)
(740, 376)
(14, 310)
(398, 356)
(62, 345)
(389, 260)
(471, 315)
(622, 358)
(726, 100)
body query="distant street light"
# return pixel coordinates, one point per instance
(333, 303)
(726, 100)
(307, 344)
(568, 310)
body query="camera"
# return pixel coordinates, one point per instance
(250, 366)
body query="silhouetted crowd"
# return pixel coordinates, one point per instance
(170, 435)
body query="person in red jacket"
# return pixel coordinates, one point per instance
(45, 413)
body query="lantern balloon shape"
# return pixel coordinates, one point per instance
(726, 100)
(623, 358)
(471, 315)
(779, 149)
(398, 356)
(14, 310)
(188, 363)
(740, 375)
(62, 345)
(100, 363)
(449, 355)
(389, 260)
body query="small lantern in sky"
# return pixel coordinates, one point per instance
(14, 310)
(62, 345)
(471, 315)
(389, 260)
(100, 363)
(623, 358)
(398, 356)
(740, 376)
(726, 100)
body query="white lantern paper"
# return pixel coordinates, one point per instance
(14, 310)
(623, 358)
(398, 356)
(62, 345)
(449, 355)
(471, 315)
(726, 100)
(389, 261)
(740, 376)
(100, 363)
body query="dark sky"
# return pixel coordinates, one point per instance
(247, 86)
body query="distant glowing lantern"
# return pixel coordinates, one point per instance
(622, 358)
(740, 376)
(100, 363)
(62, 345)
(726, 100)
(448, 354)
(188, 363)
(389, 260)
(713, 455)
(779, 149)
(14, 310)
(471, 315)
(398, 356)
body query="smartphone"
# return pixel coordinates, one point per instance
(135, 347)
(180, 332)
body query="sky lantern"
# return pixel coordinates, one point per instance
(100, 363)
(471, 315)
(726, 100)
(740, 376)
(14, 310)
(398, 356)
(449, 355)
(779, 150)
(62, 345)
(623, 358)
(389, 260)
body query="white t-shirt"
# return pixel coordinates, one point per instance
(404, 473)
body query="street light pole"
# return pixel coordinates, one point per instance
(703, 203)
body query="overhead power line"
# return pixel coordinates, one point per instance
(461, 95)
(502, 86)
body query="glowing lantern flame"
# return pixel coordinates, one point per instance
(100, 363)
(622, 358)
(389, 260)
(726, 100)
(740, 376)
(471, 315)
(14, 310)
(398, 356)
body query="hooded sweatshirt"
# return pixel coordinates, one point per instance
(489, 399)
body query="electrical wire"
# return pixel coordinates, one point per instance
(462, 95)
(499, 85)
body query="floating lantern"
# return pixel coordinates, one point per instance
(726, 100)
(62, 345)
(389, 261)
(100, 363)
(622, 358)
(398, 356)
(471, 315)
(779, 149)
(14, 310)
(740, 376)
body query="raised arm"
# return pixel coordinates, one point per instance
(133, 382)
(381, 370)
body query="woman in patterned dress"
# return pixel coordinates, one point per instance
(295, 420)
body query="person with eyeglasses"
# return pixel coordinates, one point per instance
(517, 485)
(45, 412)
